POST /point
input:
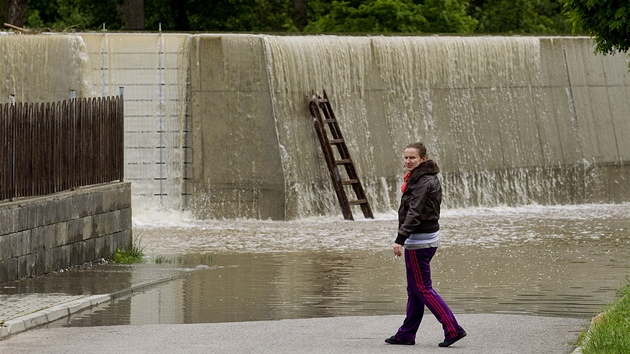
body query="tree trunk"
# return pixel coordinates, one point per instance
(4, 6)
(133, 14)
(179, 13)
(12, 12)
(299, 13)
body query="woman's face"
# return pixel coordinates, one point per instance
(412, 158)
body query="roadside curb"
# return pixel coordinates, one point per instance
(50, 314)
(594, 321)
(53, 313)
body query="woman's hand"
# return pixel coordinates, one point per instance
(397, 250)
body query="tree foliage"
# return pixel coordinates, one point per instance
(395, 16)
(519, 16)
(314, 16)
(606, 20)
(60, 15)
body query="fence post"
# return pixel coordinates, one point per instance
(120, 113)
(12, 116)
(72, 107)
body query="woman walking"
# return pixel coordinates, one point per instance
(418, 233)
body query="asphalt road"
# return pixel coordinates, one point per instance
(487, 333)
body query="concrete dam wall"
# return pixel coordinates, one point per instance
(219, 124)
(510, 120)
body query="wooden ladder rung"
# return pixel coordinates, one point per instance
(325, 122)
(357, 202)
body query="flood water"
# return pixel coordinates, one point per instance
(551, 261)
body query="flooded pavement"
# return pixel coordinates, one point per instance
(547, 261)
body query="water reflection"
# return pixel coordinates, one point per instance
(558, 261)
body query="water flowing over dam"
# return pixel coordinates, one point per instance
(219, 124)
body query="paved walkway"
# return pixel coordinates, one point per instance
(488, 334)
(23, 329)
(43, 300)
(14, 306)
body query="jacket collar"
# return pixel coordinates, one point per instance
(428, 167)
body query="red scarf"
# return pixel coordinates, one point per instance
(405, 178)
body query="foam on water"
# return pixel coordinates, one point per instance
(178, 233)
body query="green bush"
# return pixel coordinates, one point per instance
(610, 331)
(130, 256)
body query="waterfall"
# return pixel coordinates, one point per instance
(219, 123)
(150, 69)
(42, 68)
(491, 110)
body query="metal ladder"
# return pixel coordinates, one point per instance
(325, 122)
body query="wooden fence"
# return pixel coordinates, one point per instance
(52, 147)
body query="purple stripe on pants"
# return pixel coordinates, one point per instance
(420, 293)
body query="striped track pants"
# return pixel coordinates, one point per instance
(420, 294)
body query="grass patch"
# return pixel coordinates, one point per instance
(133, 255)
(610, 331)
(162, 260)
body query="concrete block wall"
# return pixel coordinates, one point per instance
(44, 234)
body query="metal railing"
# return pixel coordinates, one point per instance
(51, 147)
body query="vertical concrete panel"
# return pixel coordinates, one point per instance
(22, 62)
(99, 246)
(585, 124)
(22, 267)
(122, 240)
(472, 144)
(90, 250)
(491, 155)
(35, 264)
(49, 236)
(554, 120)
(88, 227)
(9, 269)
(60, 234)
(236, 160)
(593, 107)
(528, 126)
(20, 243)
(66, 255)
(6, 246)
(4, 274)
(125, 219)
(446, 135)
(604, 127)
(551, 134)
(49, 260)
(8, 217)
(75, 230)
(575, 62)
(620, 106)
(77, 253)
(618, 84)
(38, 238)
